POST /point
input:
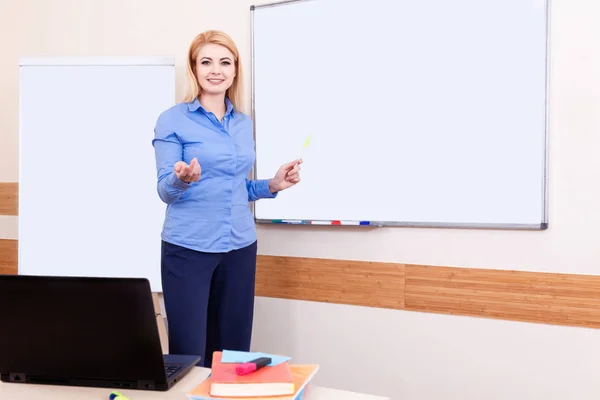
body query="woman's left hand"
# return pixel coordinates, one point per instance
(287, 176)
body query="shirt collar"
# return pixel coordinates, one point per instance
(195, 105)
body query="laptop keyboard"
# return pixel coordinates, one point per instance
(171, 369)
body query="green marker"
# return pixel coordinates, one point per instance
(117, 396)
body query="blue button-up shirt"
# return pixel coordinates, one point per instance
(213, 214)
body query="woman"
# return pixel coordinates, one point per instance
(204, 153)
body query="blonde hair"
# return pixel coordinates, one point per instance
(234, 93)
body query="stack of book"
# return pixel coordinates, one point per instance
(279, 380)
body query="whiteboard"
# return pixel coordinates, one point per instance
(88, 204)
(420, 113)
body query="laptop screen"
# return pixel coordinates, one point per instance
(87, 328)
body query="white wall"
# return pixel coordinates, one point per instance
(8, 227)
(416, 356)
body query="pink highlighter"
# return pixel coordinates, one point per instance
(251, 366)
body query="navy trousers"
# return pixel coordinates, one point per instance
(209, 299)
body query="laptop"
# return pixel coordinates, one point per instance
(84, 331)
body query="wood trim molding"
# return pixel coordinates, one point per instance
(9, 198)
(561, 299)
(558, 299)
(8, 257)
(551, 298)
(357, 283)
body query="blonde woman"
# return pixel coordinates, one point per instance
(204, 151)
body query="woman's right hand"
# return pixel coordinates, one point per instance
(188, 173)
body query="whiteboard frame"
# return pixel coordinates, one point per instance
(543, 225)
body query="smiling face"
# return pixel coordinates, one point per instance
(215, 69)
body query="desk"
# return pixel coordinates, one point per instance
(11, 391)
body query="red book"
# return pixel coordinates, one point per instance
(275, 380)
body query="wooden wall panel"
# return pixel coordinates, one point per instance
(332, 281)
(9, 198)
(512, 295)
(8, 257)
(562, 299)
(9, 205)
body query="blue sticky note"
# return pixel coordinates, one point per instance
(231, 356)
